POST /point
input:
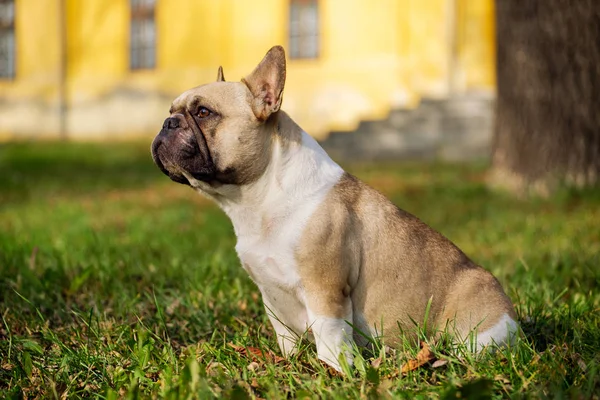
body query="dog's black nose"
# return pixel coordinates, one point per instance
(171, 123)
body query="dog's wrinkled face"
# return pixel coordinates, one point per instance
(211, 134)
(219, 133)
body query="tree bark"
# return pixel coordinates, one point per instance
(548, 103)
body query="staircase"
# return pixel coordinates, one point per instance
(455, 129)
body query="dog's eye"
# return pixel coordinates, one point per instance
(203, 112)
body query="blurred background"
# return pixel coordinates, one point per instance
(108, 69)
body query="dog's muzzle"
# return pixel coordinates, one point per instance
(181, 146)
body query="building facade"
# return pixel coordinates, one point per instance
(94, 69)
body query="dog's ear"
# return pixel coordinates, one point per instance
(266, 83)
(220, 76)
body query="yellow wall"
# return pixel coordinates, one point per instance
(36, 32)
(476, 44)
(31, 99)
(375, 55)
(96, 46)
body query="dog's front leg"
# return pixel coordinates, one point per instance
(329, 317)
(286, 337)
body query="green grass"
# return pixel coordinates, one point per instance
(115, 282)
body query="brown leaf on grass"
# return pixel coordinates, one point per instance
(253, 366)
(423, 357)
(439, 363)
(215, 369)
(256, 354)
(376, 363)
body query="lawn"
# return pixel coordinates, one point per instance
(116, 282)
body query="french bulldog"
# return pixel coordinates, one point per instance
(333, 258)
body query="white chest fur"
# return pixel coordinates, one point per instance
(272, 219)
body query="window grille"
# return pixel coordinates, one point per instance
(304, 29)
(7, 39)
(142, 42)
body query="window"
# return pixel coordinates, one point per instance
(304, 29)
(142, 41)
(7, 39)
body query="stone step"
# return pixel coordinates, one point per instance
(454, 129)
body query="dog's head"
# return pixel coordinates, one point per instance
(220, 133)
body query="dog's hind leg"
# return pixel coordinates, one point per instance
(502, 333)
(478, 313)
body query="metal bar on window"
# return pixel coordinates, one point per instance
(304, 29)
(7, 39)
(142, 34)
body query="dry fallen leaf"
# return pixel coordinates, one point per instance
(7, 366)
(257, 354)
(439, 363)
(376, 362)
(423, 357)
(215, 368)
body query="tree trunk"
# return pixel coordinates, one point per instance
(548, 104)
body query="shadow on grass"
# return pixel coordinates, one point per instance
(32, 171)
